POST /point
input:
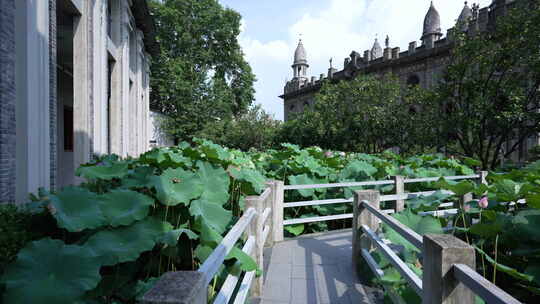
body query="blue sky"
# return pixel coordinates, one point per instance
(329, 29)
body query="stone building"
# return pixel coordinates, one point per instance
(74, 80)
(420, 64)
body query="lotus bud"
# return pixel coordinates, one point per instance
(467, 208)
(483, 202)
(328, 154)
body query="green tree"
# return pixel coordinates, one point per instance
(254, 129)
(489, 101)
(200, 75)
(367, 114)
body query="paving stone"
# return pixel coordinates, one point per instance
(313, 270)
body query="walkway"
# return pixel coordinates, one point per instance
(314, 269)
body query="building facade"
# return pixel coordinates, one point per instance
(421, 64)
(74, 79)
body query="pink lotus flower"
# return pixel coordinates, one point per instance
(483, 202)
(467, 208)
(328, 154)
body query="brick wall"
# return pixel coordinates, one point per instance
(7, 101)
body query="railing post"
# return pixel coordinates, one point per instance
(483, 177)
(441, 252)
(400, 189)
(277, 210)
(362, 216)
(180, 287)
(268, 204)
(256, 229)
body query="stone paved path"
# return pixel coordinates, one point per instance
(313, 270)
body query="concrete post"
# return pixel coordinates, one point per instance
(400, 189)
(483, 177)
(181, 287)
(277, 211)
(268, 203)
(256, 230)
(438, 282)
(362, 216)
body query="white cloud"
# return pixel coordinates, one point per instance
(336, 30)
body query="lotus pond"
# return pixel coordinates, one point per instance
(109, 239)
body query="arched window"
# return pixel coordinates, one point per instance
(413, 80)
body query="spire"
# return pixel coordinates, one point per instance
(376, 50)
(465, 17)
(432, 22)
(300, 65)
(300, 56)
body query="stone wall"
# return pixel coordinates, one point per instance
(7, 101)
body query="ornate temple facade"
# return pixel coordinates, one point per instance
(420, 64)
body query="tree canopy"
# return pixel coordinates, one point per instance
(200, 75)
(489, 99)
(367, 114)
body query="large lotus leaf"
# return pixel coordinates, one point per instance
(534, 271)
(76, 209)
(48, 271)
(420, 224)
(533, 200)
(507, 190)
(215, 183)
(210, 239)
(213, 151)
(459, 189)
(212, 213)
(304, 179)
(124, 207)
(246, 262)
(116, 170)
(177, 186)
(527, 225)
(127, 243)
(171, 237)
(430, 201)
(253, 180)
(486, 230)
(154, 157)
(295, 230)
(358, 170)
(177, 159)
(139, 178)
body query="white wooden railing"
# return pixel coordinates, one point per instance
(262, 225)
(399, 197)
(448, 263)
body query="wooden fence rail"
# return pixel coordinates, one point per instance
(400, 196)
(258, 225)
(448, 262)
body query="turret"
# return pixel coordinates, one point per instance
(376, 50)
(300, 64)
(465, 18)
(432, 27)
